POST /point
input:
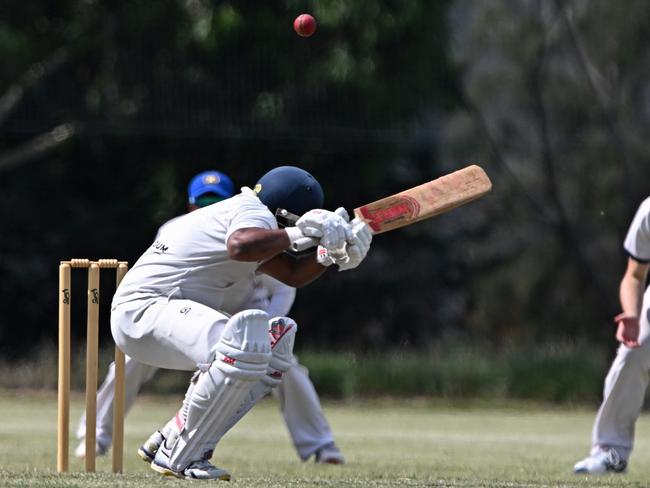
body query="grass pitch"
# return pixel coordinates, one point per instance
(386, 444)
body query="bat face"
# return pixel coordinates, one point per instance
(425, 201)
(418, 203)
(389, 213)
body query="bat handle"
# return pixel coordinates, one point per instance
(304, 243)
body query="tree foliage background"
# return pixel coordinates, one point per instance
(107, 110)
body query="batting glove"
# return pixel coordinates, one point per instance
(323, 256)
(329, 227)
(358, 245)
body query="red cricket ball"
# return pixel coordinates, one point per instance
(304, 25)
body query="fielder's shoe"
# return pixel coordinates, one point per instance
(80, 451)
(329, 454)
(196, 470)
(602, 461)
(148, 450)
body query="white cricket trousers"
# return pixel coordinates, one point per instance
(135, 375)
(150, 331)
(167, 333)
(624, 392)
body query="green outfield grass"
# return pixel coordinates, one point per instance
(387, 443)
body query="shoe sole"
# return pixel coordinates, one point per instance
(599, 473)
(169, 472)
(223, 477)
(166, 471)
(586, 471)
(145, 455)
(330, 461)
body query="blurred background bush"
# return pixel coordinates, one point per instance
(107, 110)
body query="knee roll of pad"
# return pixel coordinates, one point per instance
(282, 333)
(244, 350)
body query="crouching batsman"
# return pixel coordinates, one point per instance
(172, 308)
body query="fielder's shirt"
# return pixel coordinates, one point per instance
(637, 241)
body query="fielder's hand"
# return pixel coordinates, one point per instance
(627, 331)
(359, 240)
(329, 227)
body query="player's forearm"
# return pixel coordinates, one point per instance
(633, 287)
(257, 244)
(631, 295)
(293, 271)
(304, 275)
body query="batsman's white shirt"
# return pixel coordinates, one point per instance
(189, 258)
(171, 306)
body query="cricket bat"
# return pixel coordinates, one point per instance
(418, 203)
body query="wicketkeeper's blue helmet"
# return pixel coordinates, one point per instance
(289, 188)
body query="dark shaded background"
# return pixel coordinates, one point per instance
(107, 110)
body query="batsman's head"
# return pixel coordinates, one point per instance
(209, 187)
(289, 188)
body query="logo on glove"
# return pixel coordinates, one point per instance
(277, 330)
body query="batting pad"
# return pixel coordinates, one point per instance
(241, 359)
(282, 333)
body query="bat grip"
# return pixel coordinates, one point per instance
(304, 243)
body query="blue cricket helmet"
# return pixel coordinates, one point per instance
(289, 188)
(210, 182)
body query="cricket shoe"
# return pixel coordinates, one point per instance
(329, 454)
(80, 450)
(196, 470)
(601, 462)
(148, 450)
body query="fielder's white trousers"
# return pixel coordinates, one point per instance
(135, 375)
(624, 393)
(302, 411)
